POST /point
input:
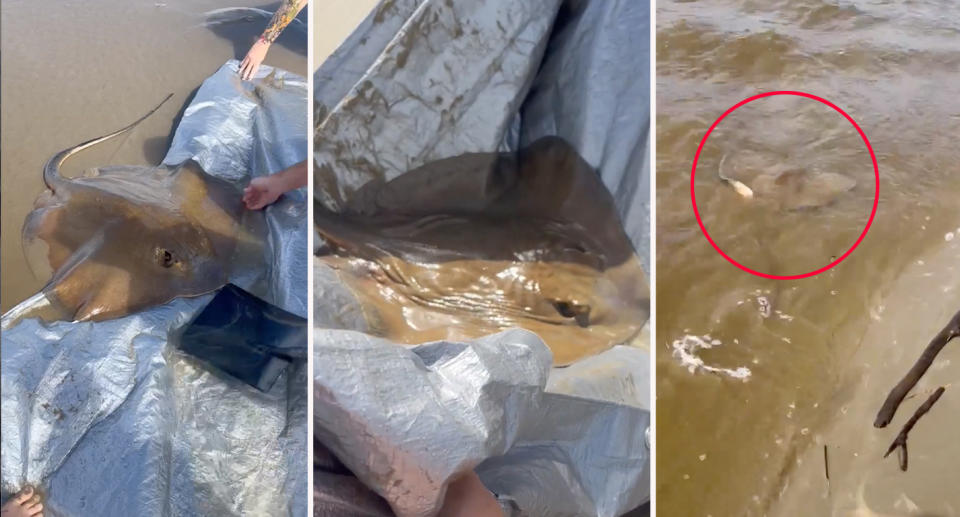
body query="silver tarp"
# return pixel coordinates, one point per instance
(421, 80)
(108, 418)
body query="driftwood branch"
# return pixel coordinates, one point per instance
(900, 442)
(826, 464)
(885, 415)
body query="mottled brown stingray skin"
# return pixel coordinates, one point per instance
(133, 237)
(796, 190)
(475, 244)
(789, 188)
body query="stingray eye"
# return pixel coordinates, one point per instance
(565, 309)
(165, 258)
(579, 313)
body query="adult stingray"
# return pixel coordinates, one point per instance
(128, 237)
(791, 188)
(474, 244)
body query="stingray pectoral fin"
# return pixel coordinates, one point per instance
(38, 306)
(86, 287)
(836, 183)
(41, 249)
(90, 312)
(111, 298)
(95, 310)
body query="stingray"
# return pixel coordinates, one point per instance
(124, 238)
(789, 188)
(236, 15)
(475, 244)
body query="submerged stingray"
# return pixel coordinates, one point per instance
(235, 15)
(130, 237)
(471, 245)
(790, 188)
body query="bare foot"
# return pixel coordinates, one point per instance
(467, 497)
(24, 504)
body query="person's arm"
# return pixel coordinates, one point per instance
(285, 14)
(264, 190)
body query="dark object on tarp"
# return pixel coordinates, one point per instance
(246, 337)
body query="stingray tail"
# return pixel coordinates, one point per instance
(741, 189)
(51, 171)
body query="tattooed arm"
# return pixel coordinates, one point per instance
(285, 14)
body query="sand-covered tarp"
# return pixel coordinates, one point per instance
(421, 81)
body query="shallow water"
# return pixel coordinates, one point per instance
(83, 69)
(752, 371)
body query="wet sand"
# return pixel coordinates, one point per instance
(751, 372)
(93, 68)
(333, 21)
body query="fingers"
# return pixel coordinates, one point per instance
(248, 67)
(253, 196)
(260, 192)
(35, 510)
(253, 199)
(261, 199)
(23, 495)
(256, 203)
(252, 69)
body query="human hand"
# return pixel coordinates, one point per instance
(251, 62)
(261, 192)
(26, 503)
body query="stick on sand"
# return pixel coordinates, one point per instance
(885, 415)
(901, 440)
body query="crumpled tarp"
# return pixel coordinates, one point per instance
(108, 418)
(421, 80)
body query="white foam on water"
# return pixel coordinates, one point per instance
(685, 349)
(782, 315)
(764, 306)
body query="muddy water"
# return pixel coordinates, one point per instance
(918, 305)
(475, 244)
(80, 69)
(752, 373)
